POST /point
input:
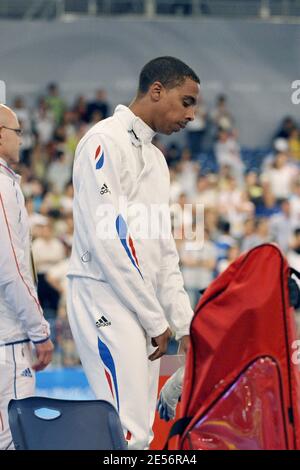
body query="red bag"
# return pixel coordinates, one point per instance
(242, 382)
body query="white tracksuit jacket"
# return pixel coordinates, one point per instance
(20, 312)
(21, 317)
(143, 273)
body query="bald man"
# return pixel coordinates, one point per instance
(22, 321)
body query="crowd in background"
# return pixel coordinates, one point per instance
(250, 196)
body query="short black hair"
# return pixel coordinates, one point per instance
(169, 71)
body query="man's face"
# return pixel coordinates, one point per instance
(10, 141)
(176, 107)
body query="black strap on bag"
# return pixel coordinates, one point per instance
(178, 429)
(294, 291)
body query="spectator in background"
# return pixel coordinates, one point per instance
(294, 145)
(188, 172)
(180, 215)
(67, 199)
(99, 105)
(268, 205)
(227, 151)
(280, 145)
(206, 191)
(198, 261)
(36, 220)
(295, 204)
(175, 186)
(280, 176)
(293, 254)
(221, 116)
(172, 154)
(261, 235)
(80, 109)
(232, 254)
(197, 128)
(234, 205)
(47, 252)
(43, 122)
(281, 226)
(224, 241)
(56, 278)
(59, 172)
(253, 188)
(286, 127)
(55, 102)
(23, 114)
(249, 231)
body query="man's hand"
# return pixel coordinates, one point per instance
(184, 344)
(44, 355)
(169, 395)
(161, 342)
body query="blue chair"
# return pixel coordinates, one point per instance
(39, 423)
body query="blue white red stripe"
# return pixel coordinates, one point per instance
(127, 242)
(99, 157)
(110, 370)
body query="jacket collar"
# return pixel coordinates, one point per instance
(6, 170)
(139, 131)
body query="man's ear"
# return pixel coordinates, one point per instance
(156, 91)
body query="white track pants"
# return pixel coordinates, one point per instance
(114, 352)
(17, 380)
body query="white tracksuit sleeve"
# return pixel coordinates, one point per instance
(98, 170)
(171, 292)
(16, 281)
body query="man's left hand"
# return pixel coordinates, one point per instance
(184, 344)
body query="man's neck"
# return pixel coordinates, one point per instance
(140, 110)
(4, 160)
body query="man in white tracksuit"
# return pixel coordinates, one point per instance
(125, 292)
(21, 316)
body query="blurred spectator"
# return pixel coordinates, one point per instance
(232, 254)
(43, 122)
(280, 176)
(36, 220)
(294, 144)
(286, 127)
(182, 214)
(99, 105)
(260, 235)
(55, 102)
(295, 205)
(227, 152)
(235, 205)
(59, 172)
(268, 205)
(175, 186)
(67, 199)
(196, 129)
(80, 109)
(23, 114)
(188, 172)
(198, 261)
(293, 255)
(206, 191)
(280, 145)
(173, 154)
(281, 226)
(253, 188)
(224, 240)
(56, 278)
(47, 251)
(221, 115)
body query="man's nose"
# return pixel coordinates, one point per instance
(191, 114)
